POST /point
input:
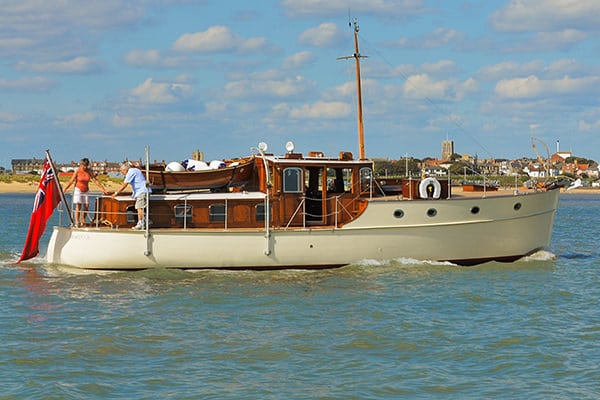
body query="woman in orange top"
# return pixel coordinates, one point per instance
(82, 178)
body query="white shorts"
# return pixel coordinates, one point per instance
(80, 197)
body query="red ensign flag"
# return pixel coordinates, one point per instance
(46, 200)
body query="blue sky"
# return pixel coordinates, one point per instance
(103, 79)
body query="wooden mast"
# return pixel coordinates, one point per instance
(357, 56)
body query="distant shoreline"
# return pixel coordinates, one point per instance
(31, 187)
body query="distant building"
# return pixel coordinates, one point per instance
(26, 166)
(198, 155)
(447, 149)
(561, 157)
(36, 165)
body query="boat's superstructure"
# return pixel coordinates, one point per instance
(305, 211)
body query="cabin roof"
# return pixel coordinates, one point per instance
(315, 160)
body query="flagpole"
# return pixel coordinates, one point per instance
(147, 213)
(60, 190)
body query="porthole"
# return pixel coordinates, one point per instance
(432, 212)
(517, 206)
(398, 213)
(474, 210)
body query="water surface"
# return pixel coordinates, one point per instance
(375, 330)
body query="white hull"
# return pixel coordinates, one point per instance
(498, 231)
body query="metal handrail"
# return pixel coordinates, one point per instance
(337, 212)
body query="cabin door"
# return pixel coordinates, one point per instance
(303, 196)
(316, 192)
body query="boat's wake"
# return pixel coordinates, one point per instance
(403, 261)
(542, 255)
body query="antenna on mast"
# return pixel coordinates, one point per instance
(357, 56)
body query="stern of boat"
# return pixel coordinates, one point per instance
(60, 235)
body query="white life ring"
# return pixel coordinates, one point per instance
(430, 188)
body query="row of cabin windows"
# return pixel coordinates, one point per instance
(216, 212)
(339, 180)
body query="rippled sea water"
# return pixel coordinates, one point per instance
(376, 330)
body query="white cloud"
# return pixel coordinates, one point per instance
(298, 60)
(509, 68)
(96, 136)
(215, 108)
(347, 90)
(327, 34)
(534, 87)
(322, 109)
(121, 121)
(422, 86)
(155, 59)
(335, 8)
(151, 92)
(138, 57)
(559, 39)
(547, 41)
(557, 68)
(439, 37)
(564, 66)
(442, 37)
(251, 44)
(30, 84)
(214, 40)
(34, 15)
(6, 117)
(11, 44)
(78, 118)
(46, 30)
(593, 126)
(441, 66)
(256, 88)
(77, 65)
(549, 15)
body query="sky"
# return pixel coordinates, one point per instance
(104, 79)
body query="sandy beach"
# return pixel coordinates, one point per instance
(31, 187)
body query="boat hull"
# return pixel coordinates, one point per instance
(464, 231)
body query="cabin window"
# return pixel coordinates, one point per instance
(366, 176)
(339, 180)
(216, 213)
(183, 213)
(260, 212)
(292, 180)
